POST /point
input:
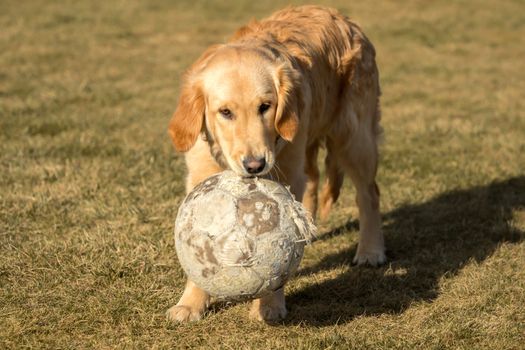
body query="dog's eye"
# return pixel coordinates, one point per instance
(264, 107)
(226, 113)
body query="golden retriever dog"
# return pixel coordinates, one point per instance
(265, 102)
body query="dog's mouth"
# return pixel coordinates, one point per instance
(226, 161)
(241, 171)
(249, 167)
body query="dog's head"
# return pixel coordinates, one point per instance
(244, 100)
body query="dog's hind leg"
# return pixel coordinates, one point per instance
(333, 181)
(360, 162)
(371, 248)
(312, 183)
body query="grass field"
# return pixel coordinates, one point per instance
(90, 184)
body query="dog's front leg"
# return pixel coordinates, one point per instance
(194, 301)
(270, 308)
(191, 305)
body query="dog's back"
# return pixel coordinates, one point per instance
(338, 67)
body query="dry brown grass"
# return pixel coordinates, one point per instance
(89, 182)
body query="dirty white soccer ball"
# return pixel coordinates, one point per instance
(240, 238)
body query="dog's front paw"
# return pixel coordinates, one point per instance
(268, 311)
(183, 313)
(373, 258)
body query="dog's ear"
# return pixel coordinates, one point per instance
(187, 121)
(289, 101)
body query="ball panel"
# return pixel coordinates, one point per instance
(238, 284)
(258, 213)
(217, 218)
(195, 248)
(236, 248)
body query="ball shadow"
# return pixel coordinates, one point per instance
(425, 242)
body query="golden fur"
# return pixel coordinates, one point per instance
(279, 90)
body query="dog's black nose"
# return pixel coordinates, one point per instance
(254, 165)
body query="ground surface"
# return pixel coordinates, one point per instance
(89, 182)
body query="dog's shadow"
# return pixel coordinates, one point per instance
(425, 242)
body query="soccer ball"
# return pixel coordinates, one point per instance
(240, 238)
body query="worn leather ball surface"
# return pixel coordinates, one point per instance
(240, 238)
